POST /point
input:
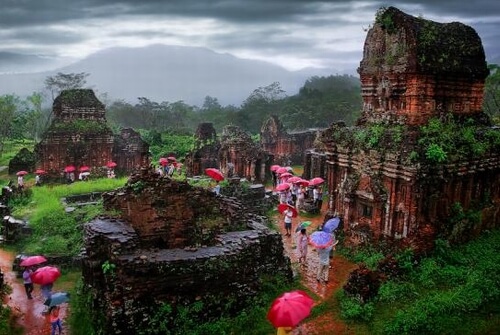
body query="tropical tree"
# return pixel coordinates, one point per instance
(65, 81)
(8, 106)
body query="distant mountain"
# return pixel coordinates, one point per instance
(168, 73)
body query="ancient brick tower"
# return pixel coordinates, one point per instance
(413, 69)
(80, 136)
(389, 177)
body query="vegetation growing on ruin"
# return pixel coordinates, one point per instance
(80, 127)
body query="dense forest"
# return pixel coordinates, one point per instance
(319, 102)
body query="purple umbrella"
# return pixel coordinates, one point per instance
(320, 239)
(331, 225)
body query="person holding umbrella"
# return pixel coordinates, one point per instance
(288, 215)
(28, 284)
(302, 242)
(324, 243)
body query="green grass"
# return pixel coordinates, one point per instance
(436, 296)
(53, 230)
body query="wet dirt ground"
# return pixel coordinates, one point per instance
(30, 314)
(329, 322)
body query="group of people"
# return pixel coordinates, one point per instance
(46, 291)
(302, 242)
(296, 196)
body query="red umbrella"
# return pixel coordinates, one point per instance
(316, 181)
(111, 165)
(171, 158)
(45, 275)
(214, 174)
(40, 171)
(33, 260)
(283, 207)
(84, 168)
(282, 187)
(290, 308)
(275, 167)
(69, 168)
(163, 161)
(22, 173)
(281, 170)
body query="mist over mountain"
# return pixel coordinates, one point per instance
(168, 73)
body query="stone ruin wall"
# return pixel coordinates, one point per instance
(379, 194)
(159, 259)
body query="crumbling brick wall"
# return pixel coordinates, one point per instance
(159, 257)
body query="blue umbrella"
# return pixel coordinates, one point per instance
(331, 225)
(57, 299)
(320, 239)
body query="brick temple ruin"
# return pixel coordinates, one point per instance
(80, 136)
(379, 176)
(285, 148)
(177, 244)
(236, 154)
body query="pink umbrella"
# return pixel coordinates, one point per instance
(163, 161)
(84, 168)
(22, 173)
(282, 187)
(45, 275)
(302, 182)
(281, 170)
(69, 168)
(316, 181)
(40, 171)
(286, 175)
(275, 167)
(171, 158)
(289, 309)
(111, 165)
(294, 179)
(33, 260)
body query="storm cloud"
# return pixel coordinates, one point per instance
(294, 34)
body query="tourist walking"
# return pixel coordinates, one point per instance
(28, 284)
(216, 189)
(318, 197)
(55, 320)
(300, 198)
(47, 290)
(288, 215)
(302, 242)
(324, 264)
(20, 182)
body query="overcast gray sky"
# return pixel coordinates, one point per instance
(292, 33)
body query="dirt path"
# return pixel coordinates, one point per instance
(330, 322)
(30, 313)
